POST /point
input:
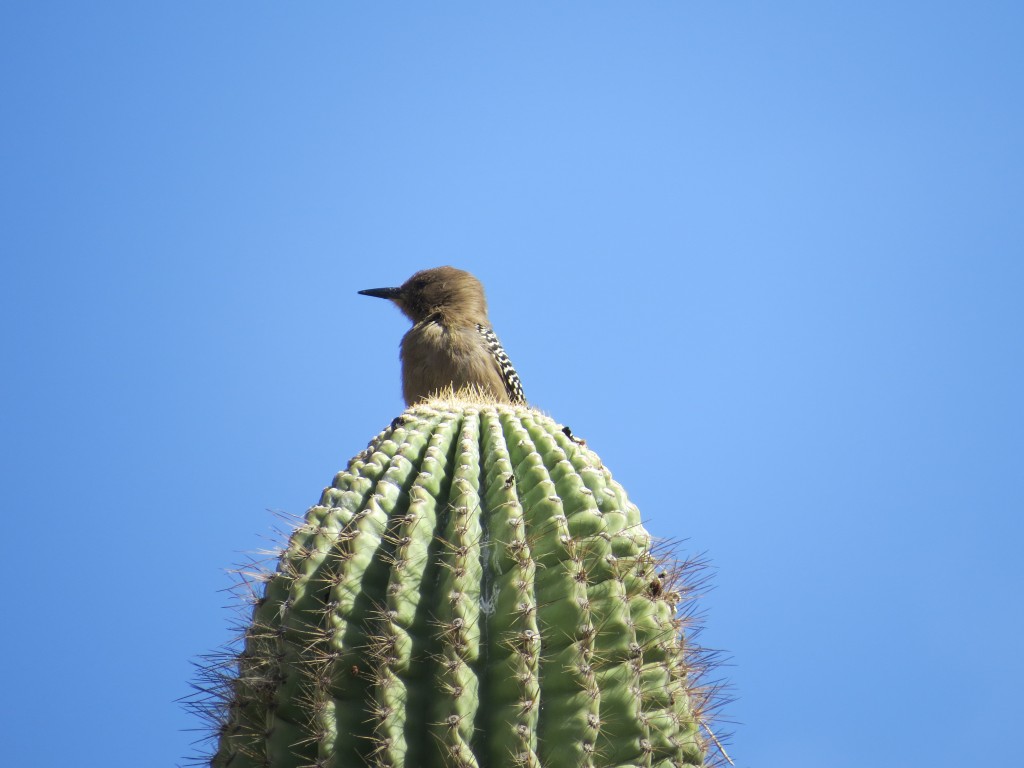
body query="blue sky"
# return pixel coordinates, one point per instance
(767, 258)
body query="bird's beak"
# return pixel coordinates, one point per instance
(383, 293)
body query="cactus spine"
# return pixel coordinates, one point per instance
(473, 590)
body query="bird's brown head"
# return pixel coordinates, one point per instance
(454, 294)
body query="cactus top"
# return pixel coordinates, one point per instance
(473, 590)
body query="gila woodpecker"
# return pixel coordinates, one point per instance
(451, 343)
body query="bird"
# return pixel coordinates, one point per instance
(451, 344)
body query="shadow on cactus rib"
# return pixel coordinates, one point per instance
(473, 590)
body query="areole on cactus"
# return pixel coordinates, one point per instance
(473, 590)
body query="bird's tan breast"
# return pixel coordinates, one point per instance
(435, 357)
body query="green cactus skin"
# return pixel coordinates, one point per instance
(473, 591)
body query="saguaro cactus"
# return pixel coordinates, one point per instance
(473, 590)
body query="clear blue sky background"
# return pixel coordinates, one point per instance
(767, 258)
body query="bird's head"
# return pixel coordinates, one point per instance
(453, 293)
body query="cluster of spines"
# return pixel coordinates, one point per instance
(545, 588)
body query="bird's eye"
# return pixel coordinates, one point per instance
(420, 284)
